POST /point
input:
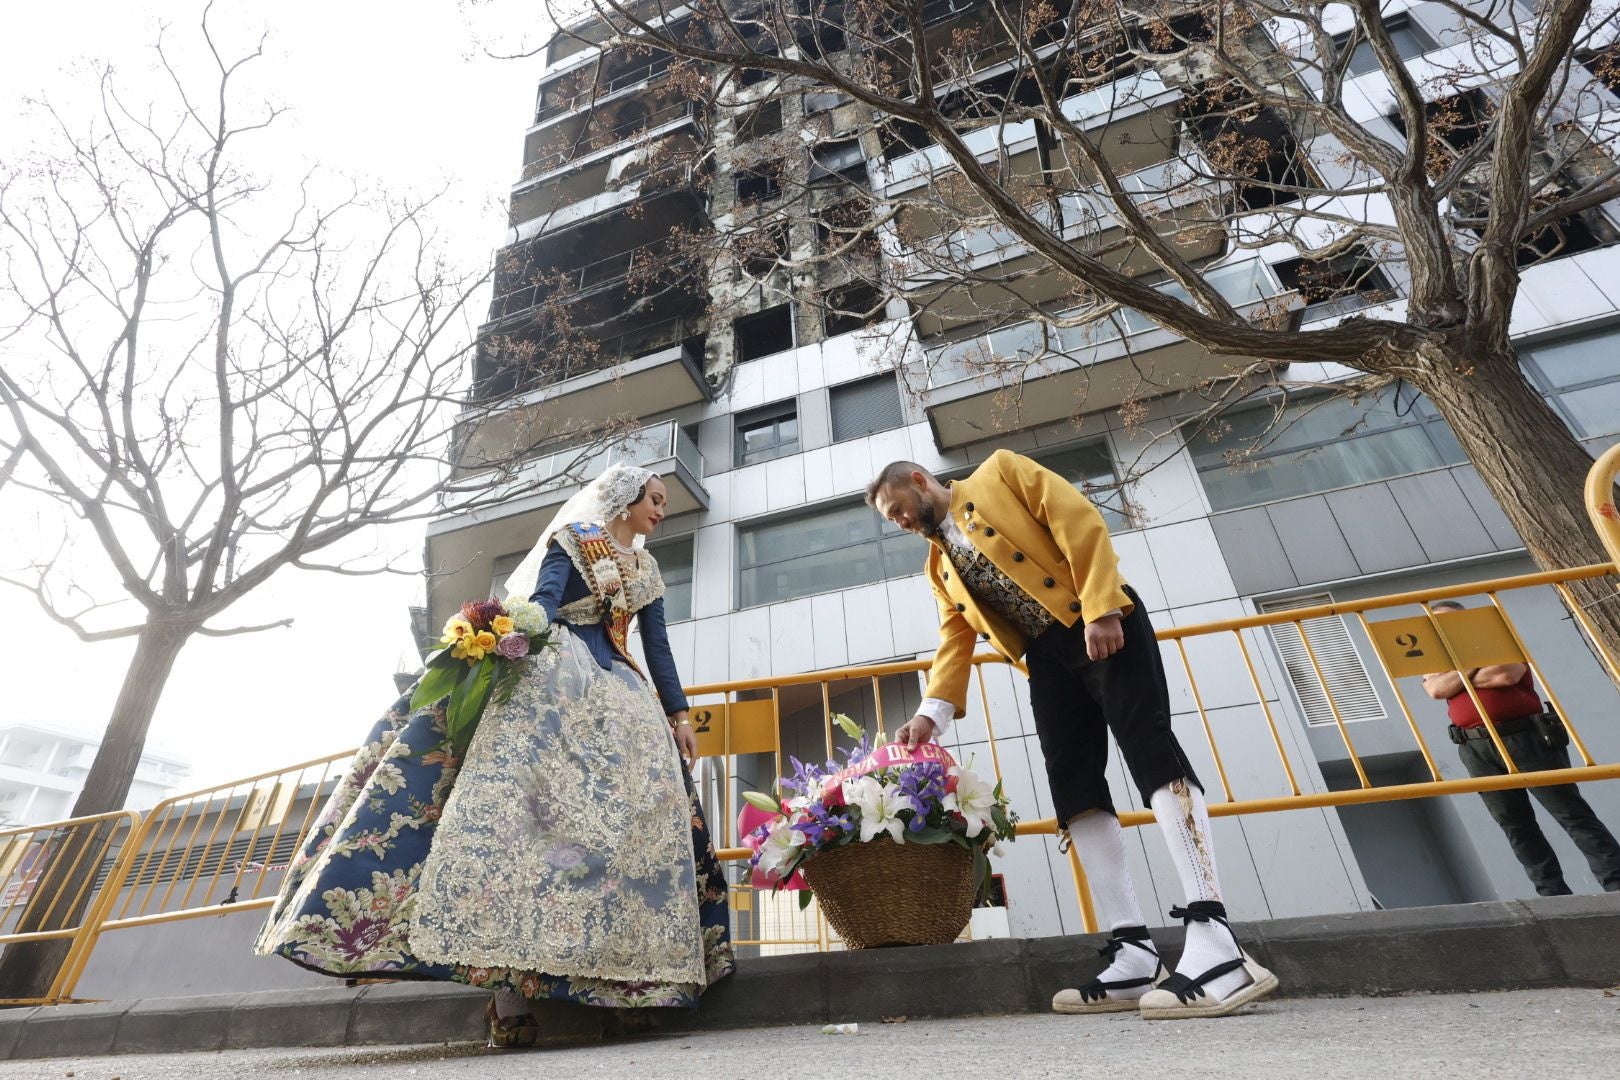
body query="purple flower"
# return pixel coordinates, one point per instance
(513, 646)
(819, 821)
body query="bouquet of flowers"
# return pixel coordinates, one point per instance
(911, 797)
(485, 648)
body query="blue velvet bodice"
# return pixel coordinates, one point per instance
(561, 583)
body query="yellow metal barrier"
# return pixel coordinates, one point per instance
(221, 850)
(217, 851)
(52, 881)
(1451, 650)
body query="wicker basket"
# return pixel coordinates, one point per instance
(882, 893)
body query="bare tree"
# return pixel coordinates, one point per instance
(1029, 175)
(208, 380)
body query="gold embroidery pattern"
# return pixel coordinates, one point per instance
(617, 593)
(998, 591)
(571, 815)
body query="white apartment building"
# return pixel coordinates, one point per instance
(767, 426)
(43, 767)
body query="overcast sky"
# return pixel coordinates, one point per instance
(395, 93)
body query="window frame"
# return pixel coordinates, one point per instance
(1362, 282)
(1553, 392)
(767, 175)
(741, 322)
(842, 310)
(1419, 420)
(760, 122)
(1399, 21)
(886, 533)
(689, 541)
(753, 419)
(827, 164)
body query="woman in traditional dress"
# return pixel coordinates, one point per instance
(566, 857)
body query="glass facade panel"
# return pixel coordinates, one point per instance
(834, 548)
(1262, 454)
(1581, 378)
(675, 566)
(1409, 41)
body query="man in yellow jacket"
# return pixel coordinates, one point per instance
(1019, 555)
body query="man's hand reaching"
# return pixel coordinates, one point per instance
(916, 731)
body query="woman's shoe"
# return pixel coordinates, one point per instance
(512, 1033)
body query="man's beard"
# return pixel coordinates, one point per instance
(928, 518)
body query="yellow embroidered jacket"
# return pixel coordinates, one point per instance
(1043, 534)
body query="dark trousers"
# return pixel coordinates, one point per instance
(1077, 701)
(1564, 802)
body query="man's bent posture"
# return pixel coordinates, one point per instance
(1021, 556)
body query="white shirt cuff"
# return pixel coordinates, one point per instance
(940, 711)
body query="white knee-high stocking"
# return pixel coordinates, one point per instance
(1184, 819)
(1100, 843)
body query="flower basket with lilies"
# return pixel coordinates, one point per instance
(485, 649)
(894, 843)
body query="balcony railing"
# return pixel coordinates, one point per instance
(645, 446)
(592, 277)
(1130, 93)
(558, 471)
(610, 354)
(598, 89)
(592, 141)
(1156, 189)
(1248, 282)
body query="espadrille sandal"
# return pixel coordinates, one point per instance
(1182, 998)
(1092, 997)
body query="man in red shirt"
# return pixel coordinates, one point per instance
(1509, 696)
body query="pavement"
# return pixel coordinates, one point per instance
(1565, 943)
(1564, 1033)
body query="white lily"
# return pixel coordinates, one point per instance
(879, 806)
(973, 799)
(780, 848)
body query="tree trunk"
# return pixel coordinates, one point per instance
(1531, 464)
(61, 896)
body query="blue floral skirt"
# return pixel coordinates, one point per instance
(566, 858)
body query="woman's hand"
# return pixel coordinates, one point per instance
(685, 738)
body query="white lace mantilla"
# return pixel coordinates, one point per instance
(566, 845)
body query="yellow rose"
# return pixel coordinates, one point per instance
(484, 640)
(454, 630)
(502, 625)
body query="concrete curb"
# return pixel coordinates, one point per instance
(1569, 941)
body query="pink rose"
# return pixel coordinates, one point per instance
(513, 646)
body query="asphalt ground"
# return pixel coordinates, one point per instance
(1547, 1034)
